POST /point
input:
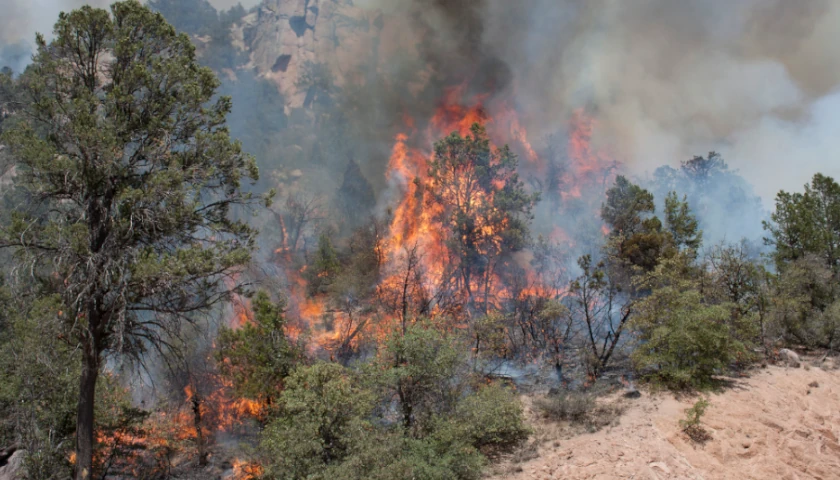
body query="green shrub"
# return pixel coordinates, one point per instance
(683, 342)
(414, 413)
(324, 414)
(492, 419)
(258, 356)
(691, 424)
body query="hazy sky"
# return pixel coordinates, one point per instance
(20, 19)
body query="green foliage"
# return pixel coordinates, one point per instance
(258, 356)
(733, 275)
(807, 223)
(702, 170)
(418, 368)
(325, 413)
(324, 267)
(694, 414)
(135, 211)
(39, 375)
(334, 423)
(691, 424)
(683, 340)
(491, 419)
(681, 223)
(637, 238)
(805, 231)
(804, 292)
(325, 431)
(626, 207)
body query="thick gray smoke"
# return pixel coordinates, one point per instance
(756, 80)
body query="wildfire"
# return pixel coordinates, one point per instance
(246, 471)
(588, 166)
(454, 116)
(415, 221)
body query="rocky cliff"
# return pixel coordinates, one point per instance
(287, 38)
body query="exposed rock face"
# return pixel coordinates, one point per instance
(12, 468)
(284, 36)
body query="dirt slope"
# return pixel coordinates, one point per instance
(772, 425)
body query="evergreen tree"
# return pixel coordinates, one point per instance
(681, 223)
(683, 338)
(702, 170)
(324, 268)
(807, 223)
(626, 207)
(129, 179)
(258, 356)
(637, 238)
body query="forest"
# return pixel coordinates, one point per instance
(199, 281)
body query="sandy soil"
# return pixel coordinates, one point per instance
(780, 423)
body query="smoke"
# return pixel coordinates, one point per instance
(754, 79)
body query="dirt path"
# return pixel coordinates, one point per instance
(772, 425)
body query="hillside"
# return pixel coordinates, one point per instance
(778, 423)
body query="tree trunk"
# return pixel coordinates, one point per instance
(84, 414)
(200, 440)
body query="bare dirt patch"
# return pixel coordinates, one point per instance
(774, 424)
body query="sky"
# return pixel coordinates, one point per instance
(20, 19)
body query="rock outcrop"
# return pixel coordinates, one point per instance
(285, 37)
(12, 467)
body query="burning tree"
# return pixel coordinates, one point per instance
(479, 200)
(129, 178)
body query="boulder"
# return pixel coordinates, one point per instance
(789, 358)
(12, 469)
(632, 392)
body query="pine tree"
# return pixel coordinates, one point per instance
(129, 179)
